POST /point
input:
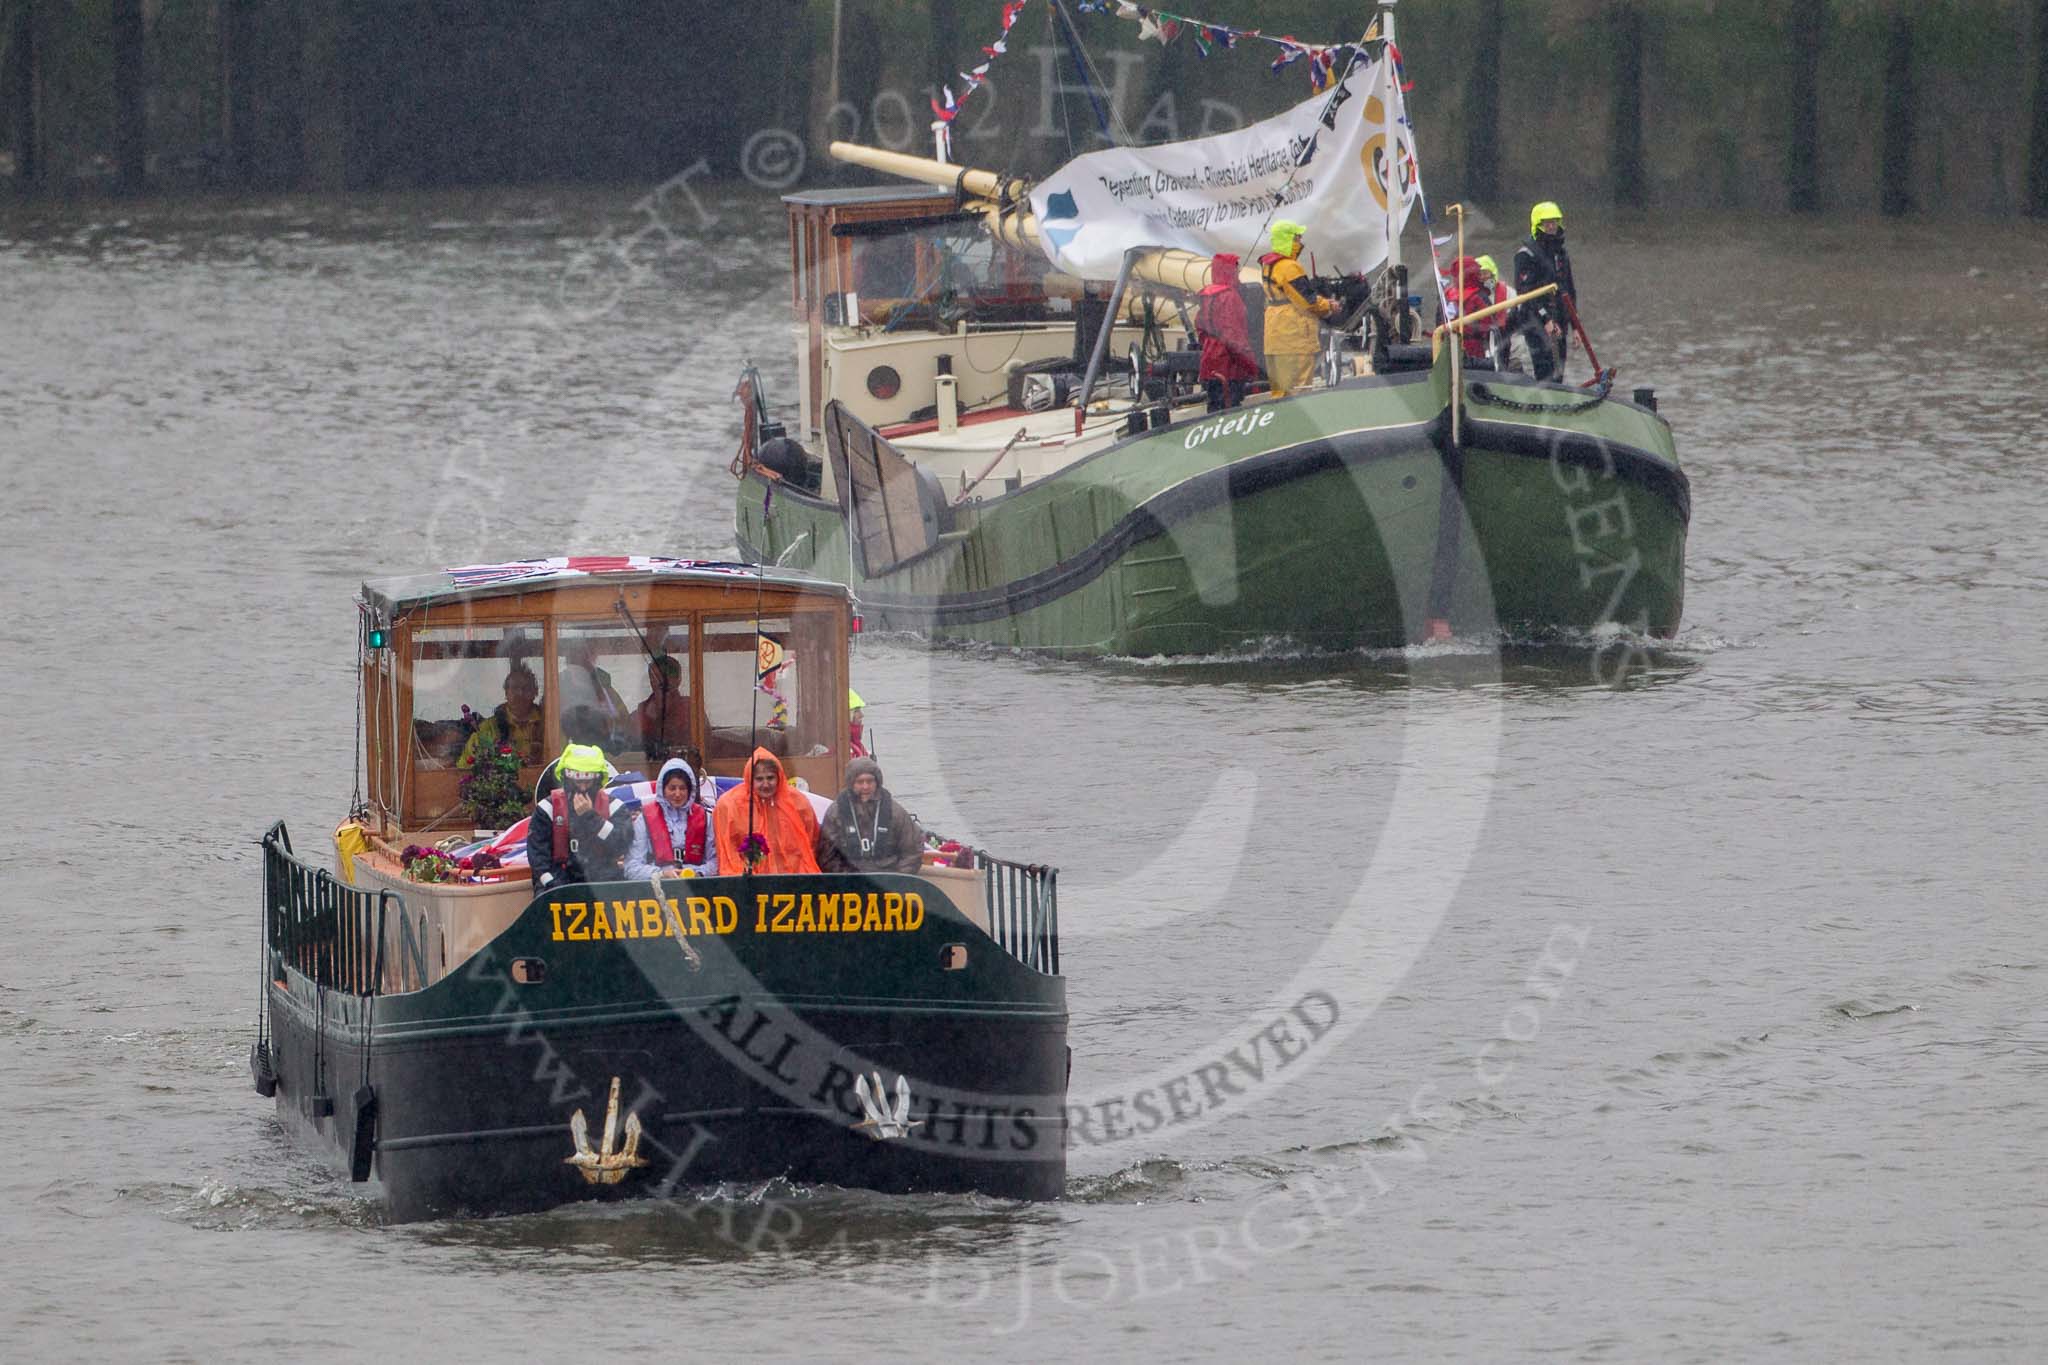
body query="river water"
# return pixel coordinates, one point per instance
(1689, 1000)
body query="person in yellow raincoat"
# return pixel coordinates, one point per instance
(1293, 334)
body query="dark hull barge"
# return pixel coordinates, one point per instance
(467, 1047)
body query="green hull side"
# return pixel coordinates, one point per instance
(1580, 516)
(1319, 525)
(1570, 549)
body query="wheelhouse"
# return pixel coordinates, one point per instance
(649, 658)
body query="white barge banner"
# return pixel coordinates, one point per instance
(1324, 163)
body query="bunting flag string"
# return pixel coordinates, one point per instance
(974, 79)
(1322, 58)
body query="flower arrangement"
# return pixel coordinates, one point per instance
(482, 861)
(754, 848)
(427, 864)
(493, 790)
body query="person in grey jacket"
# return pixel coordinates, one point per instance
(866, 830)
(673, 831)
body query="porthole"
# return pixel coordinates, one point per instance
(884, 382)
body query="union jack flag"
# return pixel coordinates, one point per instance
(570, 566)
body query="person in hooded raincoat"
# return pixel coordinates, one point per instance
(866, 830)
(1293, 321)
(1227, 361)
(675, 831)
(1468, 296)
(765, 804)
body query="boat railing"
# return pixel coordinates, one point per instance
(319, 924)
(1023, 910)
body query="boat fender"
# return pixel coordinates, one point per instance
(261, 1071)
(364, 1144)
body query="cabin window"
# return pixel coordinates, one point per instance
(472, 685)
(885, 267)
(767, 684)
(608, 690)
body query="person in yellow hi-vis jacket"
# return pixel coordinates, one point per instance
(1292, 321)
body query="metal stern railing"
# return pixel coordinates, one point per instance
(1023, 910)
(323, 927)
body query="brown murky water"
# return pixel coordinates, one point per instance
(1691, 1018)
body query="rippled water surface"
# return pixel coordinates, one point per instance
(1692, 999)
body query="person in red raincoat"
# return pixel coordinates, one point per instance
(1227, 361)
(1468, 296)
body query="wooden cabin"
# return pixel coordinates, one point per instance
(896, 288)
(439, 650)
(559, 649)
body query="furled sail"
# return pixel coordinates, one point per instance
(1333, 163)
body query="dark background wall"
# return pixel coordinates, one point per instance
(1807, 105)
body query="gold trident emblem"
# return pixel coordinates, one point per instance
(608, 1164)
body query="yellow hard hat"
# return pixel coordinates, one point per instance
(853, 701)
(1542, 214)
(1486, 264)
(1285, 232)
(582, 758)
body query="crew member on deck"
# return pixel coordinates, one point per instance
(765, 811)
(856, 711)
(1293, 331)
(1539, 261)
(674, 831)
(1227, 361)
(866, 830)
(573, 836)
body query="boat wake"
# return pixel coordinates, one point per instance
(220, 1206)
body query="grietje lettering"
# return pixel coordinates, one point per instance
(1240, 423)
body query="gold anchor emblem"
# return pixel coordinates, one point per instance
(607, 1165)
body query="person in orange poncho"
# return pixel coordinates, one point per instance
(765, 806)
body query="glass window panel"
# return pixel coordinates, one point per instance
(603, 661)
(761, 688)
(607, 690)
(468, 680)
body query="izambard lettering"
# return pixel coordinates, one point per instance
(851, 912)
